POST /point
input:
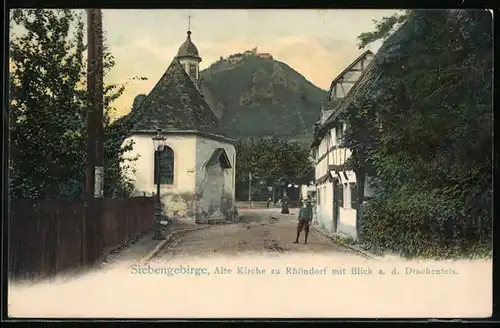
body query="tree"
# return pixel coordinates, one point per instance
(47, 108)
(272, 159)
(383, 28)
(362, 133)
(428, 136)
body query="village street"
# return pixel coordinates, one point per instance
(257, 242)
(259, 231)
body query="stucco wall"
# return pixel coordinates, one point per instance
(347, 222)
(179, 198)
(347, 215)
(208, 201)
(324, 210)
(305, 190)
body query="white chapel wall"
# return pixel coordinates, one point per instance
(179, 197)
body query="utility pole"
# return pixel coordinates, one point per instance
(274, 193)
(94, 171)
(250, 189)
(99, 113)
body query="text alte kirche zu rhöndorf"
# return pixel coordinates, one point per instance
(183, 270)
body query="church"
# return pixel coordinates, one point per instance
(197, 182)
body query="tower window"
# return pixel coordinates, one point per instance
(192, 70)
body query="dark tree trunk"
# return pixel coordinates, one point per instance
(360, 189)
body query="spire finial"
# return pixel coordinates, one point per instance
(189, 25)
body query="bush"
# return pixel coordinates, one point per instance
(425, 225)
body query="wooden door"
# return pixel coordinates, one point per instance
(338, 198)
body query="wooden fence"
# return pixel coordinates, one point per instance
(47, 237)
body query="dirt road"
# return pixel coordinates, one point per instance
(259, 232)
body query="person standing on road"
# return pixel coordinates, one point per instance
(304, 220)
(284, 205)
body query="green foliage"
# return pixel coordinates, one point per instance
(428, 138)
(383, 28)
(272, 159)
(341, 240)
(259, 97)
(48, 106)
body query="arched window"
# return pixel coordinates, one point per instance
(164, 163)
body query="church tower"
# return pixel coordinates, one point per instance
(190, 59)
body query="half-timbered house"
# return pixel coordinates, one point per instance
(335, 182)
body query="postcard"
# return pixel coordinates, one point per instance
(188, 164)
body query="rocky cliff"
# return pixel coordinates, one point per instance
(257, 96)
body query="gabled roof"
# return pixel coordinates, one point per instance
(336, 103)
(176, 105)
(348, 68)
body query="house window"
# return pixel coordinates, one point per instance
(318, 199)
(354, 195)
(192, 70)
(164, 162)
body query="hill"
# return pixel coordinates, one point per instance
(257, 96)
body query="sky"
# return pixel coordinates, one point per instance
(319, 44)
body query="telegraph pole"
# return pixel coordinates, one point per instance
(94, 178)
(249, 189)
(99, 126)
(87, 233)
